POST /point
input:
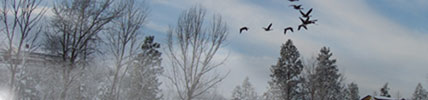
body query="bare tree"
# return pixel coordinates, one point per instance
(309, 83)
(75, 27)
(20, 21)
(122, 41)
(191, 49)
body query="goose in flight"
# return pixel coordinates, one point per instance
(293, 0)
(297, 7)
(307, 14)
(268, 28)
(302, 25)
(307, 21)
(243, 29)
(288, 28)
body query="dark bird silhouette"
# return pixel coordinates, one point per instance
(307, 14)
(288, 28)
(27, 46)
(242, 29)
(268, 28)
(297, 7)
(302, 25)
(307, 21)
(293, 0)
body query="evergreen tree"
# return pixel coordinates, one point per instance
(420, 93)
(327, 76)
(352, 92)
(285, 74)
(144, 84)
(384, 91)
(273, 92)
(244, 92)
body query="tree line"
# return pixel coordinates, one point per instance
(56, 57)
(294, 79)
(96, 49)
(313, 79)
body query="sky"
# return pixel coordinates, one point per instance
(374, 41)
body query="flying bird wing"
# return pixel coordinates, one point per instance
(303, 21)
(307, 19)
(270, 25)
(285, 31)
(242, 29)
(301, 12)
(310, 10)
(303, 25)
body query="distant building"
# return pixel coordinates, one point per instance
(29, 57)
(369, 97)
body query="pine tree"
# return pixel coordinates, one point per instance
(245, 91)
(420, 93)
(273, 92)
(327, 76)
(352, 92)
(145, 83)
(285, 74)
(384, 91)
(237, 93)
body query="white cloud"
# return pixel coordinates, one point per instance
(157, 27)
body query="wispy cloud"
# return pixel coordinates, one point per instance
(370, 47)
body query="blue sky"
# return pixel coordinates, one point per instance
(410, 13)
(374, 41)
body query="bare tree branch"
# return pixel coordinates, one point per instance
(75, 26)
(122, 41)
(21, 28)
(192, 59)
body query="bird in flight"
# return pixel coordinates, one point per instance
(288, 28)
(307, 14)
(268, 28)
(307, 21)
(243, 29)
(302, 25)
(297, 7)
(293, 0)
